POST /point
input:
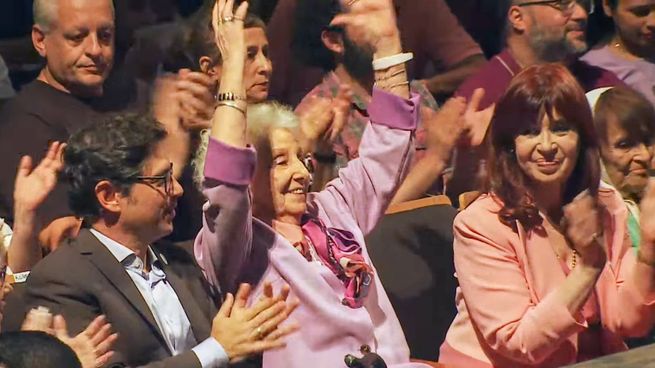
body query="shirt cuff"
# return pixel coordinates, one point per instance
(211, 354)
(229, 164)
(395, 112)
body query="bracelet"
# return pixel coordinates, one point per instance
(393, 60)
(233, 105)
(387, 77)
(386, 87)
(330, 158)
(228, 96)
(405, 83)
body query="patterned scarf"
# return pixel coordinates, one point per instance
(342, 254)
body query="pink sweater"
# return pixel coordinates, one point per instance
(233, 247)
(507, 315)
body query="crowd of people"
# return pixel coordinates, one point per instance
(198, 187)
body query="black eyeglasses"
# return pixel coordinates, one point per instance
(166, 178)
(565, 6)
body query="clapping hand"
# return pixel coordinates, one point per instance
(34, 184)
(444, 127)
(243, 331)
(92, 346)
(194, 92)
(476, 121)
(584, 228)
(324, 119)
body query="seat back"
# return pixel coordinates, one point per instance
(412, 250)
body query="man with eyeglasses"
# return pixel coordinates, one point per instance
(122, 183)
(537, 31)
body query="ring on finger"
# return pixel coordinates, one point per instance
(260, 333)
(228, 18)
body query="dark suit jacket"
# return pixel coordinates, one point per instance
(82, 280)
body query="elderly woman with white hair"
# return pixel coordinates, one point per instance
(314, 242)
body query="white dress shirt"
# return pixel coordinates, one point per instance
(165, 305)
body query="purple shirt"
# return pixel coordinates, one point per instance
(233, 247)
(638, 74)
(496, 75)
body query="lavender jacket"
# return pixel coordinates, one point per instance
(233, 247)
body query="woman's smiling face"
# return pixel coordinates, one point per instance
(548, 153)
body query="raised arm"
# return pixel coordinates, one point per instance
(33, 185)
(366, 185)
(223, 245)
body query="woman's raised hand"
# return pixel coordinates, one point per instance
(228, 29)
(584, 230)
(372, 22)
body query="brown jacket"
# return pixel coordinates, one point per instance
(82, 280)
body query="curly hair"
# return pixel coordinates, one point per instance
(538, 91)
(113, 149)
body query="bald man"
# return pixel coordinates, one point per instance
(76, 39)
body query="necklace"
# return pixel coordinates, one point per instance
(625, 53)
(574, 258)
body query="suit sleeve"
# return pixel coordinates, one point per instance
(58, 291)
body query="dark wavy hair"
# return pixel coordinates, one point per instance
(311, 18)
(538, 91)
(113, 149)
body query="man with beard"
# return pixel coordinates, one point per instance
(347, 61)
(537, 31)
(540, 32)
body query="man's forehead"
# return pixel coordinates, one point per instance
(88, 13)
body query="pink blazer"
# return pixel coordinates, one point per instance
(233, 247)
(507, 316)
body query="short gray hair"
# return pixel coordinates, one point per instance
(45, 12)
(262, 118)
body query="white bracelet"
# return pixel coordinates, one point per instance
(393, 60)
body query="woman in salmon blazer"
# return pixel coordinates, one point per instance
(546, 271)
